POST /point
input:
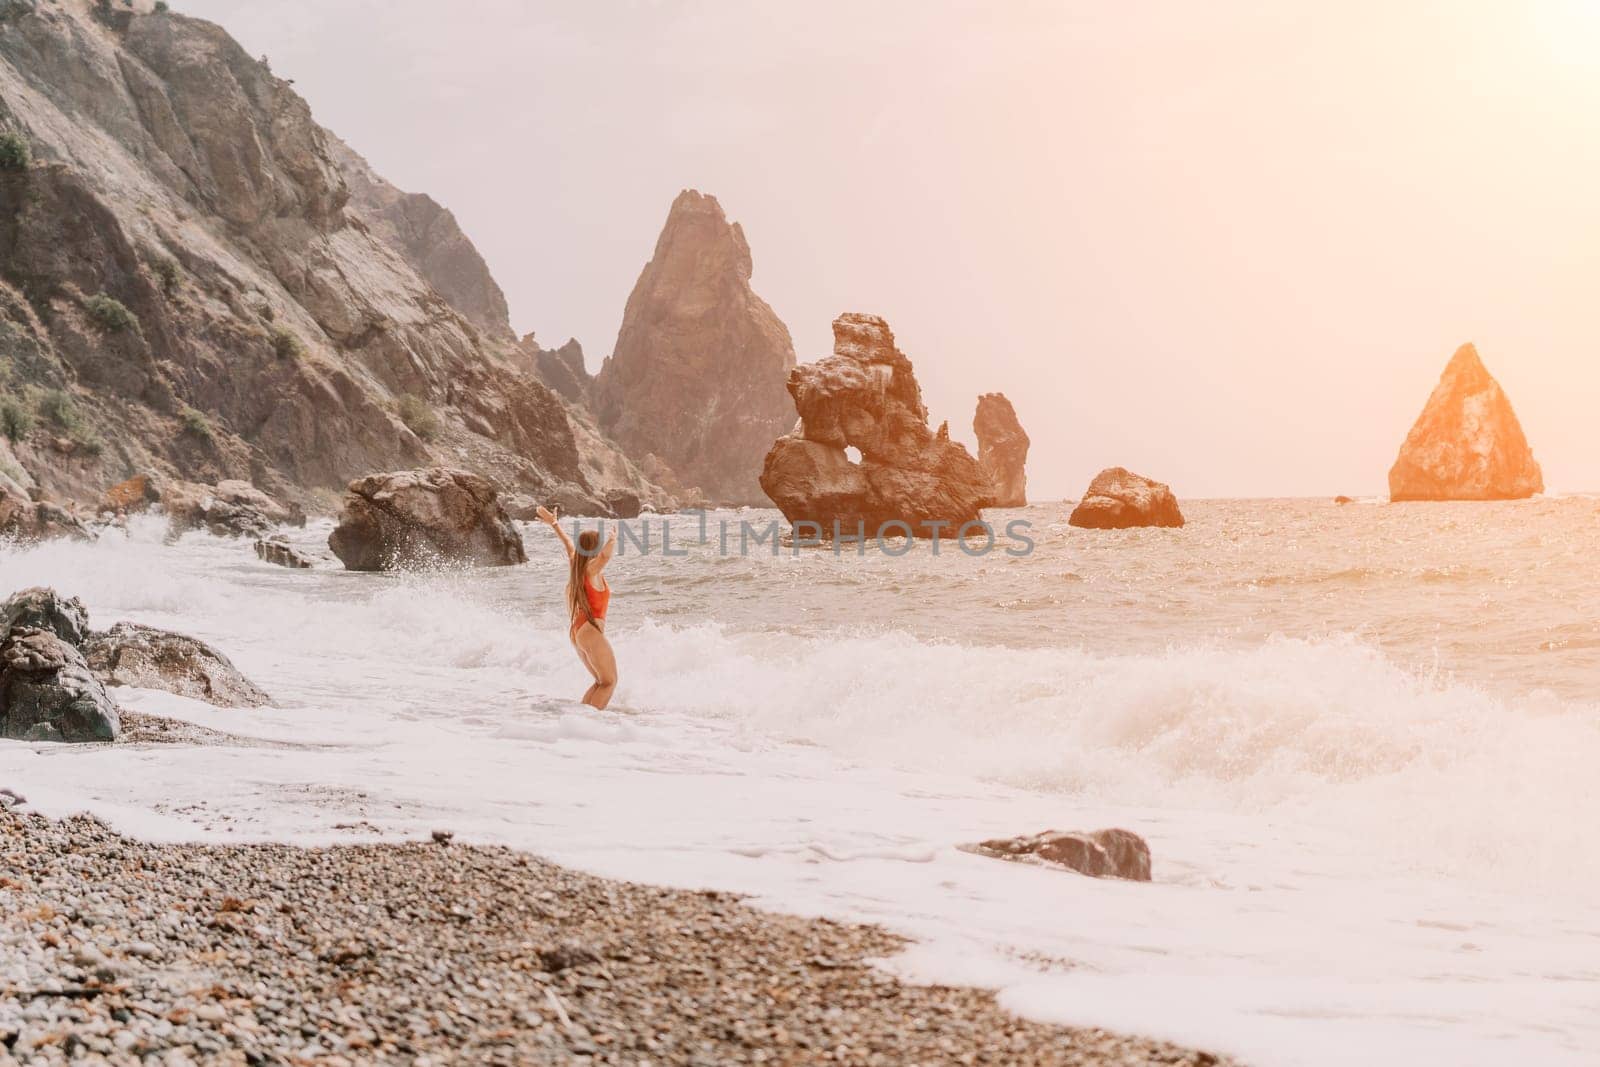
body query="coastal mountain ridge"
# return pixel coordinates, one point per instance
(197, 280)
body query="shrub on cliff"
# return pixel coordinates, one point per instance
(166, 271)
(16, 421)
(14, 154)
(195, 423)
(161, 7)
(110, 313)
(287, 343)
(57, 407)
(419, 417)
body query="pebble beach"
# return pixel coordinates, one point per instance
(118, 951)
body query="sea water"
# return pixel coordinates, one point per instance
(1362, 742)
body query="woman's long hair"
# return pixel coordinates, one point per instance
(577, 596)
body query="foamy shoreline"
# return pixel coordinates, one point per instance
(121, 950)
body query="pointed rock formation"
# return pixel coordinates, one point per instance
(1002, 449)
(1118, 499)
(562, 369)
(865, 396)
(697, 375)
(1467, 443)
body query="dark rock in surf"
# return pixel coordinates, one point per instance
(148, 658)
(1101, 854)
(1118, 499)
(48, 693)
(424, 518)
(865, 396)
(1467, 444)
(1002, 449)
(42, 608)
(1343, 500)
(278, 551)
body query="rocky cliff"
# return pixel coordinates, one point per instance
(187, 287)
(562, 369)
(428, 236)
(910, 480)
(697, 375)
(1002, 449)
(1467, 444)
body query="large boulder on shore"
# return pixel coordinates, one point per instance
(1467, 444)
(424, 518)
(865, 396)
(1118, 499)
(1101, 854)
(48, 693)
(1002, 449)
(147, 658)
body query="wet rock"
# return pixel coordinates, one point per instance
(279, 551)
(1101, 854)
(148, 658)
(1118, 499)
(47, 692)
(36, 520)
(1467, 444)
(1002, 449)
(697, 373)
(230, 508)
(1342, 499)
(42, 608)
(865, 396)
(424, 518)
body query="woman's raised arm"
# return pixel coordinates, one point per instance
(551, 519)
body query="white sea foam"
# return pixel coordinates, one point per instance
(1355, 859)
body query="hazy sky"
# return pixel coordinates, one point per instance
(1229, 245)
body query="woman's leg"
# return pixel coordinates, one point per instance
(583, 657)
(602, 662)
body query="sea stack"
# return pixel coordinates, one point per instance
(1002, 449)
(1467, 444)
(911, 480)
(1118, 499)
(697, 375)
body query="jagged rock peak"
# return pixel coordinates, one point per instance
(1002, 449)
(697, 375)
(1467, 444)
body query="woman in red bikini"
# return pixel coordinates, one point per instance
(588, 596)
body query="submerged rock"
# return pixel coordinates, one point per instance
(278, 551)
(147, 658)
(1101, 854)
(423, 518)
(697, 373)
(48, 693)
(865, 396)
(1002, 449)
(1467, 444)
(1118, 499)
